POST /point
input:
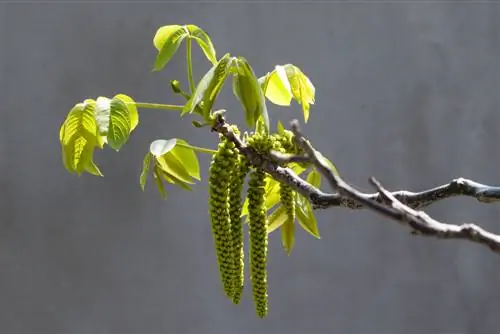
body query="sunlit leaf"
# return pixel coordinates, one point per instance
(146, 164)
(125, 116)
(305, 216)
(119, 124)
(286, 82)
(170, 178)
(101, 140)
(288, 235)
(314, 178)
(203, 40)
(209, 87)
(132, 109)
(276, 219)
(296, 168)
(170, 164)
(278, 89)
(159, 182)
(263, 81)
(162, 146)
(281, 128)
(93, 169)
(101, 113)
(167, 41)
(247, 89)
(188, 158)
(328, 162)
(302, 88)
(78, 136)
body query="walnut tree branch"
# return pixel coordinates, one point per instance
(420, 222)
(399, 206)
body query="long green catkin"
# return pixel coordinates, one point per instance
(223, 162)
(258, 241)
(236, 203)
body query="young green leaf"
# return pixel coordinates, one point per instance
(286, 82)
(161, 146)
(288, 235)
(171, 165)
(132, 109)
(302, 89)
(209, 87)
(314, 178)
(122, 105)
(305, 216)
(263, 81)
(167, 41)
(188, 158)
(146, 164)
(296, 168)
(119, 124)
(78, 136)
(159, 182)
(276, 219)
(281, 128)
(328, 162)
(247, 90)
(93, 169)
(175, 164)
(277, 88)
(170, 178)
(203, 40)
(101, 114)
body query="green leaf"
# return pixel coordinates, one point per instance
(122, 106)
(188, 158)
(101, 114)
(281, 128)
(296, 168)
(288, 235)
(203, 40)
(286, 82)
(314, 178)
(176, 164)
(78, 137)
(161, 146)
(171, 165)
(167, 41)
(159, 182)
(276, 219)
(93, 169)
(247, 90)
(209, 87)
(277, 88)
(302, 89)
(174, 180)
(146, 163)
(263, 81)
(305, 216)
(132, 109)
(119, 124)
(328, 162)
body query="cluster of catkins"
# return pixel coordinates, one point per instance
(227, 174)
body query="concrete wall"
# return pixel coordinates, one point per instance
(406, 92)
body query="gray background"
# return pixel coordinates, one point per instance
(407, 92)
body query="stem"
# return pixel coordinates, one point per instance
(190, 66)
(196, 148)
(157, 106)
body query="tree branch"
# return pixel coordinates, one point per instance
(399, 205)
